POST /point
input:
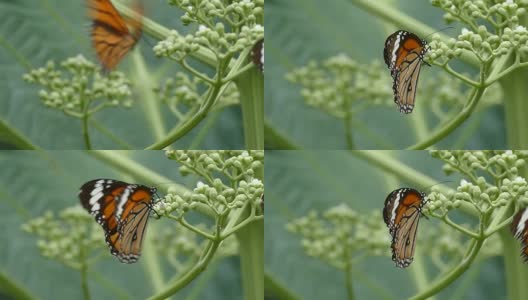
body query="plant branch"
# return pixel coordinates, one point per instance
(466, 80)
(452, 124)
(452, 275)
(463, 230)
(192, 228)
(200, 266)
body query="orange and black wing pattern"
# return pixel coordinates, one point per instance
(404, 53)
(519, 228)
(401, 213)
(122, 209)
(112, 36)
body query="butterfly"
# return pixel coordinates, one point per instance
(401, 213)
(257, 54)
(519, 228)
(111, 36)
(122, 209)
(404, 53)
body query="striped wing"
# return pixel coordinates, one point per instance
(122, 210)
(401, 213)
(403, 54)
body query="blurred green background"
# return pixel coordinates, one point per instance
(33, 182)
(298, 31)
(33, 32)
(301, 181)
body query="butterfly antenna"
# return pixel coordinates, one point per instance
(443, 29)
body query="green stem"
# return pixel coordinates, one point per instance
(420, 125)
(452, 124)
(452, 275)
(460, 228)
(514, 267)
(214, 92)
(348, 275)
(501, 218)
(251, 249)
(515, 89)
(251, 88)
(210, 250)
(86, 135)
(419, 274)
(84, 273)
(151, 261)
(85, 115)
(347, 120)
(239, 73)
(468, 81)
(145, 86)
(193, 228)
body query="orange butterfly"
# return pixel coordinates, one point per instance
(122, 209)
(112, 35)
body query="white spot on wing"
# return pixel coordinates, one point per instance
(395, 205)
(95, 198)
(395, 47)
(96, 207)
(522, 222)
(123, 200)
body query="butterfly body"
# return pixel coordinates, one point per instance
(122, 209)
(401, 213)
(112, 36)
(404, 53)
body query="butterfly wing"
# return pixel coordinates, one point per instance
(132, 232)
(257, 54)
(122, 210)
(519, 229)
(406, 81)
(401, 213)
(98, 197)
(404, 238)
(403, 53)
(111, 37)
